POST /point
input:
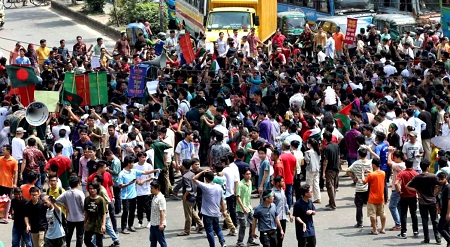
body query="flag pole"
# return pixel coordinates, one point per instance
(98, 90)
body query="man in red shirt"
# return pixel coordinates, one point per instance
(278, 168)
(108, 183)
(408, 198)
(64, 165)
(289, 163)
(278, 39)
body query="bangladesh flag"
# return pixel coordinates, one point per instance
(342, 118)
(91, 87)
(71, 98)
(21, 76)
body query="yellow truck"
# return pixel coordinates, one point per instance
(227, 15)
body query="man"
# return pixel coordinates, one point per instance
(143, 188)
(426, 185)
(122, 46)
(218, 149)
(158, 217)
(265, 127)
(339, 38)
(8, 171)
(114, 170)
(54, 236)
(407, 198)
(19, 232)
(73, 201)
(244, 208)
(189, 169)
(21, 59)
(159, 148)
(280, 202)
(212, 206)
(350, 141)
(413, 150)
(18, 146)
(303, 212)
(42, 52)
(67, 145)
(375, 205)
(32, 159)
(444, 218)
(355, 171)
(127, 180)
(330, 168)
(289, 163)
(33, 135)
(35, 218)
(396, 163)
(64, 165)
(185, 148)
(266, 216)
(231, 173)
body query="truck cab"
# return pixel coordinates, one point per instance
(397, 24)
(291, 24)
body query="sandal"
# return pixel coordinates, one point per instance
(183, 234)
(373, 233)
(395, 228)
(383, 232)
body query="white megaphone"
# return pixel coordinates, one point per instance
(36, 114)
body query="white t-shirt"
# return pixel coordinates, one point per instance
(18, 146)
(411, 151)
(55, 130)
(231, 173)
(3, 112)
(144, 189)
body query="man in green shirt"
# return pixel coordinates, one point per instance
(158, 163)
(244, 208)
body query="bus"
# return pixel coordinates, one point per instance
(313, 9)
(425, 11)
(192, 14)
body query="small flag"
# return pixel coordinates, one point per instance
(346, 110)
(186, 48)
(73, 99)
(21, 76)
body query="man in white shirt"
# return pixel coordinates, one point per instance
(18, 145)
(231, 173)
(143, 188)
(172, 41)
(67, 145)
(55, 129)
(389, 69)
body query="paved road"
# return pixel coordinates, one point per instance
(333, 228)
(31, 24)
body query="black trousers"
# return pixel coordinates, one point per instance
(129, 209)
(279, 238)
(431, 210)
(143, 205)
(117, 203)
(360, 200)
(444, 228)
(411, 203)
(268, 239)
(71, 226)
(307, 241)
(88, 239)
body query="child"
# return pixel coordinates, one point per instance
(303, 211)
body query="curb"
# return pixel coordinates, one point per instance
(86, 20)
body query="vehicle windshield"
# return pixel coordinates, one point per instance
(429, 6)
(349, 6)
(229, 20)
(295, 22)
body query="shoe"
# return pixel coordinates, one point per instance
(131, 229)
(317, 201)
(115, 243)
(438, 242)
(148, 225)
(232, 233)
(402, 236)
(200, 230)
(223, 245)
(416, 234)
(140, 225)
(125, 231)
(425, 242)
(253, 243)
(359, 226)
(183, 234)
(240, 244)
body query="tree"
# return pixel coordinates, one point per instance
(95, 6)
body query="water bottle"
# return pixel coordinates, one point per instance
(156, 174)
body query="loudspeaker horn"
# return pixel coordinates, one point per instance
(36, 113)
(159, 61)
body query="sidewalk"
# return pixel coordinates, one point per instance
(96, 21)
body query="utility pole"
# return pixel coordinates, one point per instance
(161, 15)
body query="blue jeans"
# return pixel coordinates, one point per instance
(288, 194)
(394, 207)
(109, 231)
(157, 236)
(38, 182)
(212, 225)
(17, 235)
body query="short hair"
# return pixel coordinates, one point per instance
(74, 181)
(32, 176)
(262, 149)
(327, 136)
(8, 147)
(32, 142)
(155, 185)
(442, 175)
(240, 153)
(107, 152)
(62, 133)
(304, 189)
(380, 136)
(209, 176)
(376, 162)
(52, 176)
(187, 163)
(409, 163)
(99, 178)
(129, 160)
(34, 189)
(95, 185)
(266, 193)
(362, 153)
(277, 179)
(58, 147)
(424, 164)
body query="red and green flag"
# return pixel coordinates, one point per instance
(91, 87)
(343, 119)
(71, 98)
(21, 76)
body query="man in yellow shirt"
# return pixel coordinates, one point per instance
(42, 52)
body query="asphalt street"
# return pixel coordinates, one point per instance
(333, 228)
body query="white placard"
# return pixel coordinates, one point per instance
(95, 62)
(152, 87)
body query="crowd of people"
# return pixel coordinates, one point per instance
(238, 122)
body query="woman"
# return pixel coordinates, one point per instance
(312, 161)
(95, 210)
(393, 138)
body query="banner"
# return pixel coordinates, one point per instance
(26, 94)
(92, 87)
(186, 48)
(350, 34)
(137, 81)
(445, 19)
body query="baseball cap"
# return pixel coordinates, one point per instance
(413, 133)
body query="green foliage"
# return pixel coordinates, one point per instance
(129, 11)
(94, 6)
